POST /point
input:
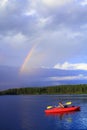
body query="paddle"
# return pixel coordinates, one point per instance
(48, 107)
(67, 103)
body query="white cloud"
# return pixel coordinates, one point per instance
(3, 3)
(30, 13)
(69, 66)
(55, 3)
(78, 77)
(83, 2)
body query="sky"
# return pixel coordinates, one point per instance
(43, 34)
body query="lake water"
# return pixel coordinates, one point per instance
(27, 113)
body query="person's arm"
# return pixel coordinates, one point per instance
(61, 105)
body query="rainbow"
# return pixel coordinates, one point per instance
(23, 67)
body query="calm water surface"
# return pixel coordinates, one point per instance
(27, 113)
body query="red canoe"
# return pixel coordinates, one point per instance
(60, 110)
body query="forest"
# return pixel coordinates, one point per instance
(62, 89)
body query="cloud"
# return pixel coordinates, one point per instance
(58, 27)
(13, 42)
(60, 24)
(83, 2)
(16, 41)
(78, 77)
(13, 19)
(25, 17)
(55, 3)
(12, 48)
(30, 16)
(72, 17)
(69, 66)
(3, 3)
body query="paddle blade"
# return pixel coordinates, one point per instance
(68, 103)
(49, 107)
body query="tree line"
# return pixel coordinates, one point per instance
(62, 89)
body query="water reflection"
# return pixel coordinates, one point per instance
(25, 124)
(62, 115)
(64, 120)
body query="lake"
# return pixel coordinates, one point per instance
(27, 113)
